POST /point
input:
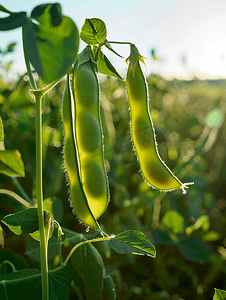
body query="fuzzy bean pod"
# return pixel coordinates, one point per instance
(90, 138)
(154, 170)
(78, 198)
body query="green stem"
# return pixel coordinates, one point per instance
(9, 263)
(120, 43)
(73, 250)
(59, 246)
(83, 243)
(43, 241)
(98, 51)
(59, 234)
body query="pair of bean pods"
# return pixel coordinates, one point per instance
(83, 141)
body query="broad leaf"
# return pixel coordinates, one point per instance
(51, 45)
(11, 163)
(49, 228)
(104, 66)
(14, 20)
(108, 289)
(132, 241)
(33, 249)
(26, 222)
(219, 295)
(93, 31)
(87, 263)
(26, 285)
(54, 10)
(17, 261)
(23, 222)
(60, 281)
(161, 237)
(48, 231)
(194, 249)
(174, 221)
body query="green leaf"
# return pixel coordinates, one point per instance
(11, 163)
(87, 262)
(36, 235)
(49, 228)
(219, 295)
(112, 50)
(51, 49)
(26, 222)
(104, 66)
(54, 9)
(194, 249)
(14, 20)
(93, 31)
(132, 241)
(17, 260)
(26, 285)
(108, 289)
(33, 249)
(161, 237)
(2, 147)
(117, 279)
(23, 222)
(174, 221)
(60, 281)
(3, 9)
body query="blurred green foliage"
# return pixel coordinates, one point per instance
(188, 231)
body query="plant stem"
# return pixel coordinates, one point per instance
(73, 250)
(120, 43)
(8, 262)
(43, 241)
(83, 243)
(59, 234)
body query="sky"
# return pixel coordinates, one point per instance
(195, 29)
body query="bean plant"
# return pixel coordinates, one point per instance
(50, 47)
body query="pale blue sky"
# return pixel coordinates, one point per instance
(196, 28)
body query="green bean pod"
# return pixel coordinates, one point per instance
(78, 198)
(90, 138)
(154, 170)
